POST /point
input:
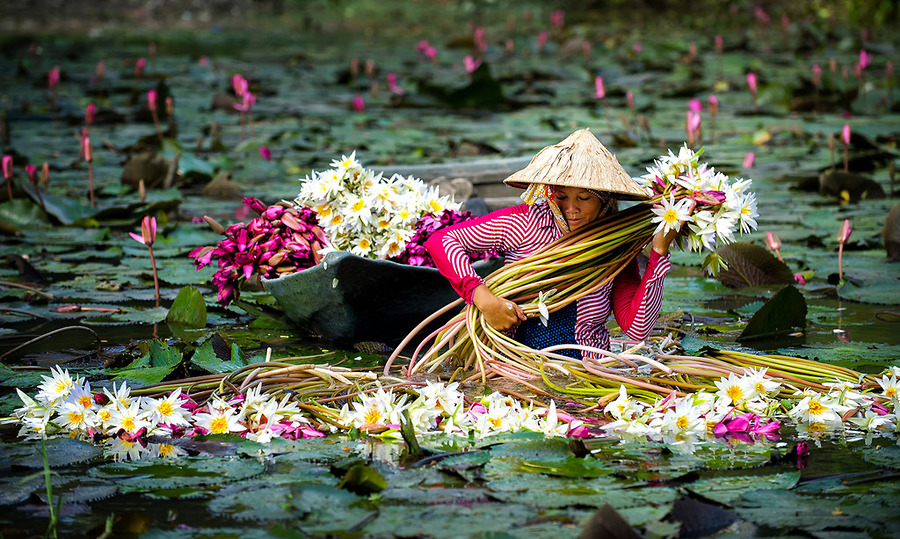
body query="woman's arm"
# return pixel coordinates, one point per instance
(450, 248)
(637, 301)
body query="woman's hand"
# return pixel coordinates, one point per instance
(661, 242)
(501, 314)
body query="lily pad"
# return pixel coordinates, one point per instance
(785, 312)
(152, 474)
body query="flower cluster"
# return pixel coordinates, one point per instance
(366, 214)
(443, 409)
(125, 423)
(281, 240)
(414, 254)
(744, 407)
(713, 206)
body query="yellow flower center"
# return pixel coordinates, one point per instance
(166, 450)
(816, 407)
(364, 244)
(76, 417)
(128, 424)
(890, 392)
(496, 422)
(105, 415)
(372, 416)
(85, 401)
(735, 393)
(165, 409)
(759, 387)
(681, 422)
(671, 216)
(359, 204)
(219, 425)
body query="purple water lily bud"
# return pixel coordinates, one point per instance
(265, 153)
(599, 91)
(31, 172)
(751, 82)
(89, 113)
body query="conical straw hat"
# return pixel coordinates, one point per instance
(578, 161)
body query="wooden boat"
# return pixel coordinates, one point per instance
(347, 299)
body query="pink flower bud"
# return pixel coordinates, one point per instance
(151, 100)
(599, 91)
(889, 70)
(844, 233)
(170, 106)
(719, 44)
(45, 174)
(798, 278)
(100, 69)
(139, 67)
(637, 48)
(845, 134)
(864, 59)
(53, 77)
(693, 121)
(695, 105)
(148, 231)
(751, 82)
(542, 40)
(86, 149)
(773, 241)
(265, 153)
(471, 64)
(89, 113)
(749, 158)
(239, 84)
(31, 172)
(358, 104)
(713, 104)
(629, 98)
(7, 167)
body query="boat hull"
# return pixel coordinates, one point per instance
(347, 299)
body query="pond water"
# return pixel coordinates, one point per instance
(299, 65)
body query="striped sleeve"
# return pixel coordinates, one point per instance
(502, 231)
(637, 302)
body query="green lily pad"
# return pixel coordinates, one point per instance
(153, 474)
(189, 309)
(61, 452)
(727, 489)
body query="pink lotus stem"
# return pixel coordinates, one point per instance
(45, 175)
(719, 48)
(31, 172)
(713, 111)
(831, 147)
(843, 236)
(152, 105)
(586, 49)
(139, 68)
(89, 113)
(99, 71)
(53, 78)
(773, 242)
(89, 158)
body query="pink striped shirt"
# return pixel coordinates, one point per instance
(521, 230)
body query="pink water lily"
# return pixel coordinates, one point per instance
(139, 67)
(773, 242)
(749, 159)
(89, 113)
(265, 153)
(148, 232)
(358, 104)
(751, 82)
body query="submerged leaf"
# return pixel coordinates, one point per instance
(785, 312)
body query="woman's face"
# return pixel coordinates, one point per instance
(579, 206)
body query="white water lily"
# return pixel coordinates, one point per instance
(541, 303)
(671, 214)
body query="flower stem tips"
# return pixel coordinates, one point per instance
(8, 174)
(843, 236)
(147, 237)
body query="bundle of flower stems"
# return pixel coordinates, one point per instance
(688, 374)
(565, 270)
(307, 381)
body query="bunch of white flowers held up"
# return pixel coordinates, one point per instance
(711, 205)
(365, 213)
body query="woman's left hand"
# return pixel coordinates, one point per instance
(661, 242)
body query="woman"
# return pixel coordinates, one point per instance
(570, 185)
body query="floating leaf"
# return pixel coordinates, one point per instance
(61, 452)
(362, 479)
(751, 265)
(152, 474)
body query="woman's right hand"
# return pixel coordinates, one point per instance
(500, 313)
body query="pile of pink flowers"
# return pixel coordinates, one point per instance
(283, 239)
(415, 254)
